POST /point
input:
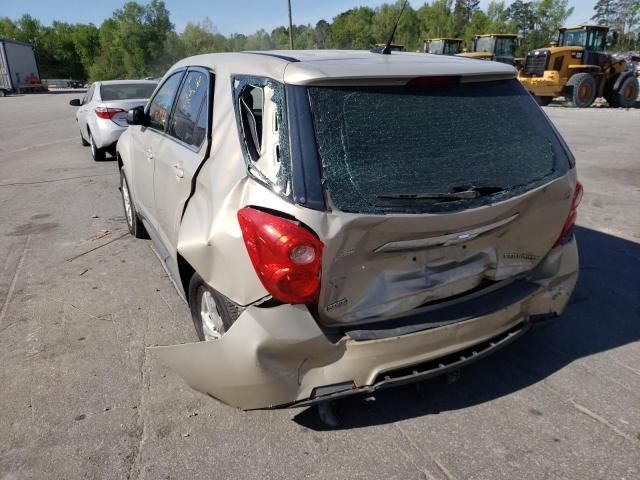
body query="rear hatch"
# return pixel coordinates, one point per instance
(436, 189)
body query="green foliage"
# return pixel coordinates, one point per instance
(623, 16)
(139, 40)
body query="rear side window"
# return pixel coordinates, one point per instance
(88, 95)
(126, 91)
(160, 106)
(264, 134)
(191, 110)
(384, 147)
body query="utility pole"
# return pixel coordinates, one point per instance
(290, 28)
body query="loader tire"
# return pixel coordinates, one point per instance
(625, 95)
(542, 101)
(581, 91)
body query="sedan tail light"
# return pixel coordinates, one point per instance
(567, 229)
(107, 113)
(286, 256)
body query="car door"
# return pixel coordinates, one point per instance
(84, 110)
(146, 140)
(183, 150)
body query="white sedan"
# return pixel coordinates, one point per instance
(102, 116)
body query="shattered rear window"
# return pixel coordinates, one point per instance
(401, 140)
(262, 123)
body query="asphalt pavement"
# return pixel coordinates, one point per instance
(80, 299)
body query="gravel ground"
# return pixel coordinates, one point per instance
(80, 299)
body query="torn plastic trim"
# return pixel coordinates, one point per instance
(443, 240)
(434, 368)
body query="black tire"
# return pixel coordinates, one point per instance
(227, 311)
(98, 154)
(582, 90)
(542, 101)
(625, 95)
(83, 141)
(134, 223)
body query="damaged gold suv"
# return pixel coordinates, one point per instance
(344, 221)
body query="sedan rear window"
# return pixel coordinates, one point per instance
(126, 91)
(401, 149)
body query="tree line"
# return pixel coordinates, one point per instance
(140, 40)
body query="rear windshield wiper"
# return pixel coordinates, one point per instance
(458, 193)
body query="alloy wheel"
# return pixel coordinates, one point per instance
(212, 325)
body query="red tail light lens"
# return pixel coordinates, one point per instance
(567, 229)
(286, 257)
(107, 113)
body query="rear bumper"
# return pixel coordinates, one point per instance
(106, 133)
(279, 357)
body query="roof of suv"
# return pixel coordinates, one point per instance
(328, 66)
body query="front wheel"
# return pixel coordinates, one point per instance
(134, 223)
(582, 91)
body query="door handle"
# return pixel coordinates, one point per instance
(179, 171)
(149, 154)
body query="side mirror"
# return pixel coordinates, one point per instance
(136, 116)
(75, 102)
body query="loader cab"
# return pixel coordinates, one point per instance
(497, 44)
(499, 47)
(443, 46)
(590, 37)
(395, 47)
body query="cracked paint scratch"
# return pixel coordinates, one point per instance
(601, 420)
(14, 280)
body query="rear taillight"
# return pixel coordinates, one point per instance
(107, 113)
(286, 256)
(567, 229)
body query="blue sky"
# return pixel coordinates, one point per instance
(242, 16)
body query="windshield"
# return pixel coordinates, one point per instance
(375, 141)
(126, 91)
(573, 38)
(484, 44)
(591, 39)
(436, 46)
(504, 47)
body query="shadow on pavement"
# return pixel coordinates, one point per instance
(603, 314)
(562, 104)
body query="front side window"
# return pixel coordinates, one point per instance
(596, 40)
(160, 106)
(396, 149)
(88, 95)
(264, 135)
(452, 48)
(191, 107)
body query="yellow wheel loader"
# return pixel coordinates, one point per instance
(578, 69)
(443, 46)
(498, 47)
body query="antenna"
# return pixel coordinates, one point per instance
(386, 50)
